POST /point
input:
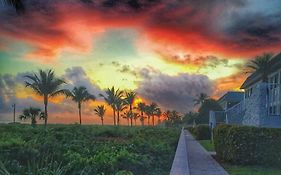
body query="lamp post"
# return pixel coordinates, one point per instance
(14, 106)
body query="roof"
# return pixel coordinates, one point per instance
(275, 63)
(232, 96)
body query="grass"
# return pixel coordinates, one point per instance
(241, 169)
(207, 145)
(75, 149)
(251, 170)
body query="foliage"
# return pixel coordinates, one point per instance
(248, 145)
(45, 84)
(200, 132)
(173, 118)
(251, 170)
(80, 95)
(201, 98)
(32, 113)
(206, 107)
(189, 118)
(75, 149)
(261, 64)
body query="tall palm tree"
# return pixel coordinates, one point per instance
(150, 111)
(153, 108)
(200, 99)
(120, 105)
(47, 85)
(136, 116)
(31, 113)
(261, 64)
(130, 98)
(100, 111)
(111, 97)
(142, 108)
(80, 95)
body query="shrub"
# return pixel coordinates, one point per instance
(201, 132)
(248, 145)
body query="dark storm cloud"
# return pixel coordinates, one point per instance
(203, 26)
(174, 92)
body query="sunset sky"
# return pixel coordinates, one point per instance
(168, 51)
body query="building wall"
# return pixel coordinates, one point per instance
(256, 109)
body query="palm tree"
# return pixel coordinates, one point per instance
(136, 116)
(31, 113)
(47, 85)
(80, 95)
(100, 111)
(200, 99)
(111, 98)
(150, 111)
(261, 64)
(142, 108)
(153, 108)
(166, 114)
(158, 113)
(129, 100)
(120, 105)
(128, 115)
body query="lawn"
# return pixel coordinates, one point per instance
(82, 150)
(240, 169)
(251, 170)
(207, 145)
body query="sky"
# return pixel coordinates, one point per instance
(168, 51)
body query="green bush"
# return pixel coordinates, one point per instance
(75, 149)
(200, 132)
(248, 145)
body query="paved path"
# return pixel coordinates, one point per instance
(200, 161)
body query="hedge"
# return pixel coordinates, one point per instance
(247, 145)
(200, 132)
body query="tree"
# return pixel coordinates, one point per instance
(206, 107)
(142, 107)
(173, 118)
(111, 99)
(200, 99)
(136, 116)
(150, 112)
(120, 105)
(47, 85)
(190, 117)
(129, 116)
(158, 113)
(100, 111)
(129, 100)
(32, 113)
(261, 64)
(80, 95)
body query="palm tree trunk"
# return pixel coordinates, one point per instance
(79, 109)
(142, 119)
(135, 122)
(148, 118)
(152, 120)
(131, 122)
(46, 109)
(118, 117)
(102, 121)
(114, 117)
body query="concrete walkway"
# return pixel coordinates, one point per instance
(200, 161)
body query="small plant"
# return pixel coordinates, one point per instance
(32, 113)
